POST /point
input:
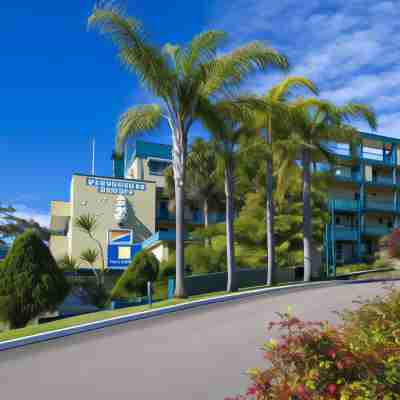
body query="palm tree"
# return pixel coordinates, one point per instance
(229, 122)
(89, 256)
(279, 96)
(202, 187)
(180, 77)
(314, 122)
(87, 223)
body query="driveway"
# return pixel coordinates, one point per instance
(196, 354)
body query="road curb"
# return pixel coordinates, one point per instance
(91, 326)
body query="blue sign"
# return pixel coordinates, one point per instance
(112, 186)
(120, 256)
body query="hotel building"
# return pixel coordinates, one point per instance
(133, 214)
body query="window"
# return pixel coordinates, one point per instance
(380, 220)
(158, 167)
(356, 196)
(337, 221)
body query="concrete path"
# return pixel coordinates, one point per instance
(197, 354)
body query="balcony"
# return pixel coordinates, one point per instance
(345, 205)
(347, 175)
(380, 206)
(343, 232)
(382, 181)
(378, 156)
(376, 230)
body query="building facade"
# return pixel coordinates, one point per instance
(364, 202)
(131, 210)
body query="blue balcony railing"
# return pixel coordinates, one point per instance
(345, 205)
(380, 157)
(383, 180)
(196, 218)
(346, 232)
(376, 230)
(380, 205)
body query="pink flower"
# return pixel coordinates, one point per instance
(331, 389)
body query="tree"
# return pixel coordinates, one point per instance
(203, 187)
(11, 226)
(180, 77)
(228, 122)
(30, 281)
(280, 94)
(87, 223)
(314, 122)
(67, 263)
(90, 256)
(143, 268)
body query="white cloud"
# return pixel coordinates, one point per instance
(349, 48)
(26, 212)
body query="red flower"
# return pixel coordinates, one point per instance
(301, 390)
(331, 389)
(251, 391)
(332, 354)
(340, 365)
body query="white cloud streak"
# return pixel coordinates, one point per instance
(349, 48)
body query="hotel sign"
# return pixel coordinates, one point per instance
(112, 186)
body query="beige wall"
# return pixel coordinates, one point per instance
(86, 199)
(140, 170)
(58, 246)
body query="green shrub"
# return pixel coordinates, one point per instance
(133, 282)
(360, 360)
(30, 281)
(204, 259)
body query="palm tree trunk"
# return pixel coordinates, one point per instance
(205, 212)
(270, 213)
(307, 217)
(179, 159)
(206, 217)
(232, 284)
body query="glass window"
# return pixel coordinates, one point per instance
(158, 167)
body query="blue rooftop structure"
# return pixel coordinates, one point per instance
(150, 149)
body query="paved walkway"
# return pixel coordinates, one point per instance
(198, 354)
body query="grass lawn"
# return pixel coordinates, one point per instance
(101, 315)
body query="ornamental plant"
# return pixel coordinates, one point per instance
(143, 268)
(360, 359)
(30, 281)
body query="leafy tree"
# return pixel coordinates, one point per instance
(87, 223)
(11, 226)
(143, 268)
(271, 121)
(314, 122)
(203, 186)
(30, 281)
(181, 77)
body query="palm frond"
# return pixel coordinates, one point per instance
(232, 68)
(283, 89)
(137, 120)
(89, 256)
(144, 59)
(203, 48)
(86, 223)
(356, 111)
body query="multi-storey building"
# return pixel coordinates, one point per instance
(364, 200)
(364, 204)
(131, 208)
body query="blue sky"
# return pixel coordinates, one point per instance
(62, 85)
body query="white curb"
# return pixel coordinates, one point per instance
(42, 337)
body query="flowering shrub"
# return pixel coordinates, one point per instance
(392, 242)
(314, 360)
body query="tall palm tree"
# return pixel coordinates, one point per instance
(202, 187)
(314, 122)
(278, 95)
(229, 122)
(179, 76)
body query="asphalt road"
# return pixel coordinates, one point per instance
(197, 354)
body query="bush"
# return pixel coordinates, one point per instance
(30, 281)
(314, 360)
(204, 259)
(133, 282)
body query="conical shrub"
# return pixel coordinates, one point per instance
(30, 281)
